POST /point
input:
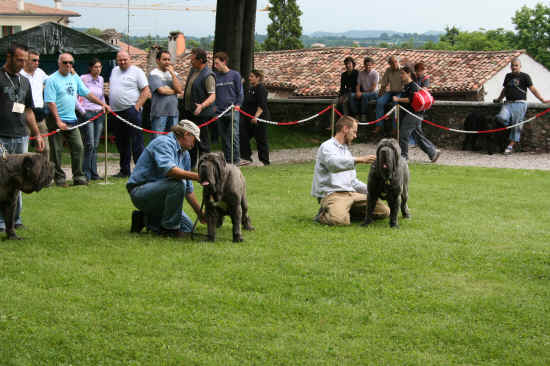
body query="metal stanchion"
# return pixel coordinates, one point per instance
(332, 120)
(397, 107)
(106, 147)
(232, 132)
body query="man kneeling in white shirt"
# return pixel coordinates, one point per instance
(342, 196)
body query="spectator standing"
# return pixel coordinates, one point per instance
(128, 91)
(229, 90)
(16, 104)
(409, 123)
(513, 111)
(366, 89)
(390, 86)
(37, 77)
(161, 181)
(255, 103)
(91, 132)
(423, 82)
(165, 87)
(348, 82)
(198, 100)
(61, 92)
(342, 196)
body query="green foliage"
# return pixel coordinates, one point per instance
(464, 282)
(533, 29)
(96, 32)
(480, 40)
(285, 30)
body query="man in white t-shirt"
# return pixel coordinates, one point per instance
(128, 91)
(37, 77)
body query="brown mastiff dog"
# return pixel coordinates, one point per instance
(224, 193)
(29, 172)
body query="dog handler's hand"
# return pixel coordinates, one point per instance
(367, 159)
(40, 143)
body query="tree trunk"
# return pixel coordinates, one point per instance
(249, 26)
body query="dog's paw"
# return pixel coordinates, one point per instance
(249, 228)
(12, 237)
(394, 226)
(365, 223)
(211, 238)
(237, 239)
(407, 216)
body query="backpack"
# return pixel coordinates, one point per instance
(422, 100)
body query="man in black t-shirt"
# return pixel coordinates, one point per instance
(514, 89)
(16, 112)
(348, 81)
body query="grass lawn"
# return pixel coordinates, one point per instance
(466, 281)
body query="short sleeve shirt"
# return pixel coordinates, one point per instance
(37, 80)
(516, 85)
(125, 87)
(13, 88)
(63, 91)
(368, 80)
(162, 105)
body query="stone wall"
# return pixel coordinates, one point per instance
(535, 135)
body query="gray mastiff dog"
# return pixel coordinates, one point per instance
(224, 193)
(388, 180)
(29, 172)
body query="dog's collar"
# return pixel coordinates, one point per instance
(3, 152)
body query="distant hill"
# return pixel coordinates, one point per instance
(365, 34)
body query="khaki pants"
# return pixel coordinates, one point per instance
(340, 208)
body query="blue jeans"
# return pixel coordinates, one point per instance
(224, 130)
(162, 203)
(361, 104)
(381, 103)
(15, 145)
(163, 123)
(91, 134)
(512, 113)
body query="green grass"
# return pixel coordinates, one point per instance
(466, 281)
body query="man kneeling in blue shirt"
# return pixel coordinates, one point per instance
(162, 179)
(342, 196)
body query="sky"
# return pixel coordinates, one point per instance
(318, 15)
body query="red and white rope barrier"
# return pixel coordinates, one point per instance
(70, 128)
(476, 132)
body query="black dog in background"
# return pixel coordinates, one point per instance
(388, 180)
(494, 142)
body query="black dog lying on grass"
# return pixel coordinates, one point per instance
(494, 142)
(388, 180)
(29, 173)
(224, 193)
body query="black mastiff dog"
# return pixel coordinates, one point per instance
(388, 180)
(494, 142)
(224, 193)
(29, 172)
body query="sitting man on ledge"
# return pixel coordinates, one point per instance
(162, 179)
(342, 196)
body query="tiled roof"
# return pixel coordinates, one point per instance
(316, 72)
(9, 7)
(132, 51)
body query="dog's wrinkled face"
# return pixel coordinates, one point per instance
(387, 157)
(37, 173)
(211, 167)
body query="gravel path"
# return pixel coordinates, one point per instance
(448, 157)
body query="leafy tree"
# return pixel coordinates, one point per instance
(96, 32)
(285, 30)
(450, 36)
(533, 31)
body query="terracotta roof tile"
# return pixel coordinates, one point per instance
(9, 7)
(316, 72)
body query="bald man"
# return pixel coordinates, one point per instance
(128, 91)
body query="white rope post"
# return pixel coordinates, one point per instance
(232, 132)
(332, 120)
(106, 145)
(398, 106)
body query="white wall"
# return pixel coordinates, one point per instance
(29, 22)
(539, 75)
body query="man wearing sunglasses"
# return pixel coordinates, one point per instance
(37, 77)
(62, 89)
